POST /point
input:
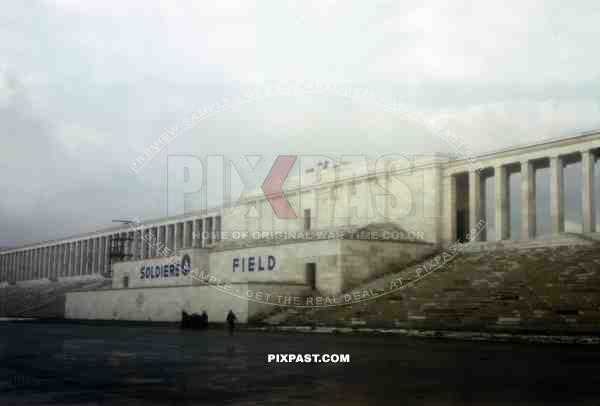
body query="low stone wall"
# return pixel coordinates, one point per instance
(166, 303)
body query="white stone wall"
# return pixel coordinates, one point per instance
(132, 269)
(154, 304)
(410, 196)
(291, 260)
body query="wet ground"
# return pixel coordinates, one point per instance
(61, 363)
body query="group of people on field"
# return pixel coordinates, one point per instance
(201, 321)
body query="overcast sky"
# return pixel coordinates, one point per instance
(86, 86)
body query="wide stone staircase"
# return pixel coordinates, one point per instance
(542, 285)
(44, 299)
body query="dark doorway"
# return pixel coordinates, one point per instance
(462, 207)
(311, 275)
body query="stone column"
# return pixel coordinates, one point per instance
(50, 272)
(93, 256)
(64, 259)
(82, 257)
(129, 246)
(77, 257)
(474, 201)
(41, 264)
(31, 264)
(48, 262)
(502, 203)
(25, 274)
(186, 231)
(557, 213)
(168, 237)
(57, 260)
(587, 197)
(32, 258)
(176, 235)
(203, 230)
(107, 263)
(219, 225)
(70, 259)
(99, 255)
(34, 266)
(24, 265)
(528, 207)
(195, 233)
(142, 243)
(15, 264)
(136, 244)
(211, 226)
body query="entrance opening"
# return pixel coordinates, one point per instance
(462, 207)
(311, 275)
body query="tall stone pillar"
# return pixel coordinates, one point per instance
(474, 202)
(15, 264)
(203, 231)
(502, 203)
(40, 271)
(51, 262)
(186, 232)
(36, 263)
(83, 259)
(587, 190)
(168, 238)
(94, 256)
(32, 258)
(147, 244)
(176, 237)
(24, 265)
(31, 270)
(211, 226)
(195, 233)
(528, 207)
(64, 259)
(141, 236)
(107, 259)
(70, 259)
(24, 268)
(557, 213)
(101, 257)
(77, 263)
(129, 244)
(137, 254)
(219, 225)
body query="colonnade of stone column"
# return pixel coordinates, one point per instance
(148, 242)
(64, 259)
(91, 255)
(528, 196)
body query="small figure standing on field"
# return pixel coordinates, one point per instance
(231, 321)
